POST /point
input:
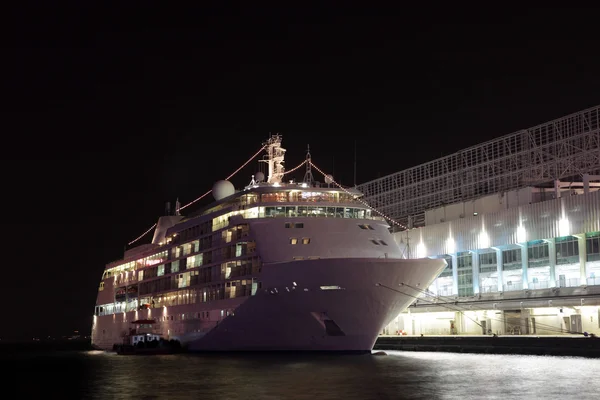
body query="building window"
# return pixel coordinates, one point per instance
(375, 242)
(592, 244)
(488, 262)
(305, 240)
(465, 274)
(567, 250)
(383, 242)
(511, 259)
(538, 254)
(293, 240)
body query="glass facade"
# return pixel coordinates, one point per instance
(549, 263)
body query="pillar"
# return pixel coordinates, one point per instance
(499, 263)
(475, 263)
(557, 189)
(582, 258)
(552, 261)
(586, 183)
(525, 264)
(455, 274)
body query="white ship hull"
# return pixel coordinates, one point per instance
(291, 312)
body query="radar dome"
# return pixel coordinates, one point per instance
(328, 179)
(259, 177)
(222, 189)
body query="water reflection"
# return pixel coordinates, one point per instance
(400, 375)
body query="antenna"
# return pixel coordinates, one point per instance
(168, 208)
(177, 206)
(308, 176)
(354, 162)
(333, 165)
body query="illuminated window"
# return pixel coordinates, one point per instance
(175, 266)
(330, 287)
(293, 240)
(305, 240)
(277, 197)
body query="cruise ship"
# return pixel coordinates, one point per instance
(276, 266)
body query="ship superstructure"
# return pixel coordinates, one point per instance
(274, 266)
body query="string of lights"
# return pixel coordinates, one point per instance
(142, 235)
(210, 191)
(229, 177)
(296, 167)
(360, 200)
(204, 195)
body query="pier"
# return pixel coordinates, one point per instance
(577, 346)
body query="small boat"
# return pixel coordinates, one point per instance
(148, 344)
(143, 341)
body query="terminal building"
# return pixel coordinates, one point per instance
(518, 221)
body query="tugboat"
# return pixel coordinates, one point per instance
(144, 340)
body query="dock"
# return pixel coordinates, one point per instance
(574, 346)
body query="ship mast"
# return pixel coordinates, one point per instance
(308, 176)
(274, 160)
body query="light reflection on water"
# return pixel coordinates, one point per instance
(399, 375)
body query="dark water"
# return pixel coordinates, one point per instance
(399, 375)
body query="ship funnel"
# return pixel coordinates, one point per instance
(162, 225)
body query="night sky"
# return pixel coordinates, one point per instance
(108, 113)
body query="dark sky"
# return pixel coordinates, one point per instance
(108, 113)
